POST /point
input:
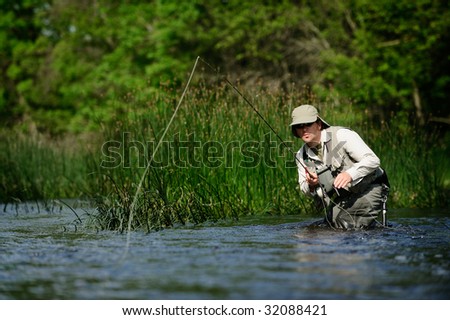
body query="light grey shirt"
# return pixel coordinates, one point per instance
(365, 159)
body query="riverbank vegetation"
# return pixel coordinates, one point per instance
(218, 160)
(89, 90)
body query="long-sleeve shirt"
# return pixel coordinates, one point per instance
(365, 160)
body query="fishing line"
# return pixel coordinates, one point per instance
(256, 111)
(271, 128)
(282, 141)
(383, 223)
(139, 187)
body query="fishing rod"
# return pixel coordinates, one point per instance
(326, 170)
(147, 168)
(257, 112)
(319, 186)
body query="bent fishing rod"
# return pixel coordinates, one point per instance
(257, 112)
(320, 186)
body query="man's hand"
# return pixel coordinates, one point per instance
(342, 180)
(312, 179)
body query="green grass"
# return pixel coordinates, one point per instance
(218, 161)
(35, 167)
(417, 163)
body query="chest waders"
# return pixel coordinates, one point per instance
(337, 160)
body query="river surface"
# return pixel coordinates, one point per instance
(46, 254)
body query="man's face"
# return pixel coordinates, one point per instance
(309, 132)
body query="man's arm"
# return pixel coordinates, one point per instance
(366, 161)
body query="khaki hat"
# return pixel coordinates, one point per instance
(306, 114)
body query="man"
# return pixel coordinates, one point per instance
(336, 166)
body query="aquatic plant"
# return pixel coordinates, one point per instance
(417, 164)
(217, 161)
(35, 167)
(220, 161)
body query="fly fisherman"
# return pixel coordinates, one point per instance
(338, 168)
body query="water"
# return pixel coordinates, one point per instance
(45, 254)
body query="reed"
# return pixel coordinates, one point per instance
(221, 161)
(416, 160)
(34, 167)
(218, 160)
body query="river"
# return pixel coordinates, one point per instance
(45, 253)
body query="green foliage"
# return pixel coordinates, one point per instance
(218, 161)
(416, 172)
(115, 67)
(204, 170)
(66, 63)
(34, 168)
(399, 52)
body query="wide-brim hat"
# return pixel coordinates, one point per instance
(306, 114)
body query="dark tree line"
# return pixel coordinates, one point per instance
(66, 63)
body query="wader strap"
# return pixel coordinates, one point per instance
(384, 198)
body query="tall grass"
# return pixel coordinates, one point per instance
(417, 163)
(34, 167)
(217, 161)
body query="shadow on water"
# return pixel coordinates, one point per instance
(45, 254)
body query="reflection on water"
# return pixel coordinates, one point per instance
(45, 255)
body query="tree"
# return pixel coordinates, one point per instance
(67, 64)
(400, 58)
(19, 31)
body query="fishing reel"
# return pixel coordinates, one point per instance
(326, 179)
